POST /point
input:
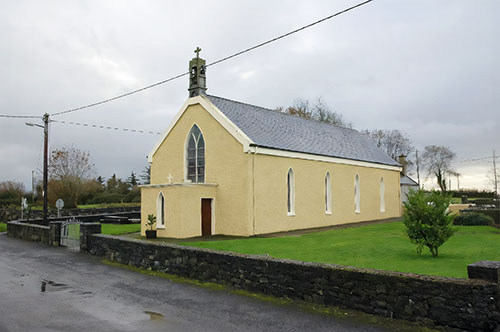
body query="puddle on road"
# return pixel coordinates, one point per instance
(154, 315)
(52, 286)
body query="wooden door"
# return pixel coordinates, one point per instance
(206, 216)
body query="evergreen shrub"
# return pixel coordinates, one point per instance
(473, 219)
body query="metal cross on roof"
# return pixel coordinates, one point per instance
(197, 51)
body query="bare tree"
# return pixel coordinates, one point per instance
(437, 160)
(70, 171)
(393, 142)
(11, 190)
(319, 111)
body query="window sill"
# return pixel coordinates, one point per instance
(160, 227)
(328, 212)
(290, 214)
(357, 212)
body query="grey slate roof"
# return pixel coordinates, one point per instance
(272, 129)
(407, 181)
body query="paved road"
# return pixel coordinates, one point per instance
(84, 295)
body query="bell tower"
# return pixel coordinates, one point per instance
(197, 77)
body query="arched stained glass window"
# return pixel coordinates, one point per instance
(195, 156)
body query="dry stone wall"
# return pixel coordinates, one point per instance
(468, 304)
(30, 232)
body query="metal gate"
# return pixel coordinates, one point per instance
(70, 234)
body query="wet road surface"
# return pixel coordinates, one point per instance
(82, 294)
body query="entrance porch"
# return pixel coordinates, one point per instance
(182, 210)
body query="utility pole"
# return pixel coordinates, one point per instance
(45, 127)
(418, 168)
(45, 166)
(32, 187)
(495, 177)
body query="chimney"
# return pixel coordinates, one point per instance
(402, 161)
(197, 78)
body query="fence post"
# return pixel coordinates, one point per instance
(55, 233)
(486, 270)
(87, 229)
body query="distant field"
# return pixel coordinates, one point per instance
(107, 205)
(381, 246)
(3, 227)
(112, 229)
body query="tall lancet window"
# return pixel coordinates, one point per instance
(195, 156)
(328, 193)
(357, 195)
(290, 192)
(160, 211)
(382, 195)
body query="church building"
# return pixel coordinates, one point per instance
(227, 167)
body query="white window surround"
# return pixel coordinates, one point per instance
(160, 211)
(216, 114)
(357, 194)
(186, 144)
(382, 195)
(290, 192)
(328, 193)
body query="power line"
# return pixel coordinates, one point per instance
(20, 116)
(476, 159)
(288, 33)
(120, 96)
(107, 127)
(215, 62)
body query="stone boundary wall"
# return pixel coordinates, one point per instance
(13, 214)
(30, 232)
(468, 304)
(87, 218)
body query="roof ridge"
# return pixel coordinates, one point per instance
(286, 114)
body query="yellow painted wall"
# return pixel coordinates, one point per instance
(250, 190)
(182, 208)
(271, 194)
(226, 165)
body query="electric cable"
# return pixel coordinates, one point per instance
(106, 127)
(212, 63)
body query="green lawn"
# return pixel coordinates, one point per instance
(381, 246)
(3, 227)
(114, 229)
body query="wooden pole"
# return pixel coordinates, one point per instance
(45, 166)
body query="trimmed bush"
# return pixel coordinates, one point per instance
(473, 219)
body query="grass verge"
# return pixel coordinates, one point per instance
(337, 312)
(3, 227)
(115, 229)
(382, 246)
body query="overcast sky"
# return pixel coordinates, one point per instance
(428, 68)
